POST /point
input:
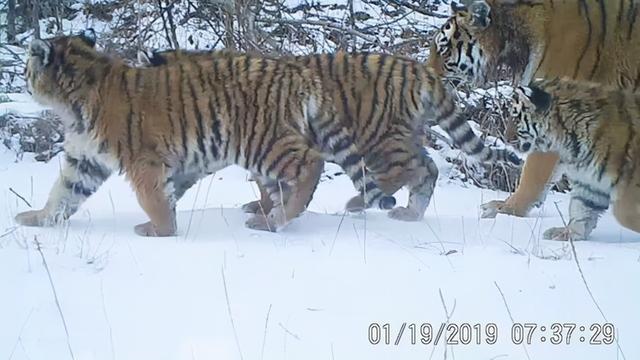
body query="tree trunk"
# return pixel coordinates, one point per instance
(35, 18)
(11, 22)
(229, 42)
(172, 26)
(352, 24)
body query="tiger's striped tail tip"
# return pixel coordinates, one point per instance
(513, 158)
(503, 156)
(387, 202)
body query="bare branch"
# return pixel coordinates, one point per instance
(324, 24)
(417, 8)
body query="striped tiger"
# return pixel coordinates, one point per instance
(380, 98)
(596, 132)
(589, 40)
(166, 127)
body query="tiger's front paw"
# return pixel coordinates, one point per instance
(260, 222)
(405, 214)
(495, 207)
(562, 234)
(35, 218)
(149, 229)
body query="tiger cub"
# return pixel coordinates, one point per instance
(596, 131)
(166, 127)
(384, 100)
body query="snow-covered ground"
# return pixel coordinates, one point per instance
(93, 290)
(221, 291)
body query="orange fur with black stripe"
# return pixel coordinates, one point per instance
(167, 127)
(596, 131)
(592, 40)
(384, 102)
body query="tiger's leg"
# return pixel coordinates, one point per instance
(364, 173)
(153, 190)
(626, 207)
(345, 153)
(80, 177)
(288, 205)
(391, 165)
(537, 171)
(421, 186)
(586, 206)
(264, 205)
(369, 193)
(181, 182)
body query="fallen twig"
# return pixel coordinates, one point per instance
(55, 296)
(584, 279)
(506, 305)
(20, 197)
(233, 325)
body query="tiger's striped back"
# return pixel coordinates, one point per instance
(383, 95)
(382, 103)
(166, 127)
(378, 94)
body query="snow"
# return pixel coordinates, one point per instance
(20, 104)
(311, 291)
(219, 290)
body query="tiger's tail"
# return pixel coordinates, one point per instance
(451, 119)
(346, 154)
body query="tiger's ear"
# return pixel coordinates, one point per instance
(480, 14)
(41, 50)
(541, 99)
(88, 36)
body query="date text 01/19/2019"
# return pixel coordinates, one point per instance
(477, 334)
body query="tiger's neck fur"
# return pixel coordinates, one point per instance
(585, 40)
(77, 70)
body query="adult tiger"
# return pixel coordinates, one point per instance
(593, 40)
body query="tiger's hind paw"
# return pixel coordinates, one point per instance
(148, 229)
(405, 214)
(34, 218)
(260, 222)
(355, 204)
(562, 234)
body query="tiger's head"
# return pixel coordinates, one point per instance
(51, 67)
(456, 46)
(529, 109)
